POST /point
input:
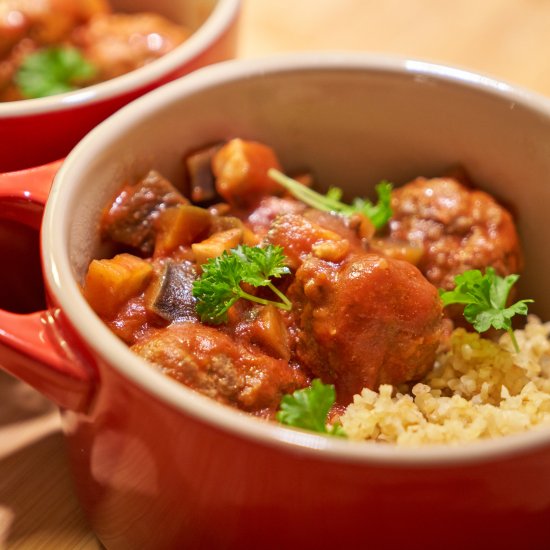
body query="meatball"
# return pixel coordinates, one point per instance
(457, 229)
(43, 21)
(367, 321)
(216, 365)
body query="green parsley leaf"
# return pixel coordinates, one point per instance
(219, 286)
(378, 213)
(269, 262)
(485, 298)
(54, 70)
(308, 409)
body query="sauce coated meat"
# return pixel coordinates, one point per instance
(365, 321)
(221, 367)
(364, 308)
(120, 42)
(457, 229)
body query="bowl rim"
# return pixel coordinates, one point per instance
(217, 23)
(65, 290)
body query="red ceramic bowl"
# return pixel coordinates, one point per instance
(37, 131)
(159, 466)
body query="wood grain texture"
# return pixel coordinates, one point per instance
(503, 38)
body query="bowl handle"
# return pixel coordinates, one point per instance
(31, 347)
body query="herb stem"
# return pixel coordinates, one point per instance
(378, 214)
(513, 338)
(304, 193)
(263, 301)
(287, 304)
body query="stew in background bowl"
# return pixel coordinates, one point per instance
(37, 131)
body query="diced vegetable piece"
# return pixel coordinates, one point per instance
(223, 223)
(398, 250)
(171, 294)
(216, 244)
(131, 217)
(219, 209)
(201, 177)
(270, 333)
(110, 283)
(332, 251)
(366, 228)
(241, 170)
(180, 225)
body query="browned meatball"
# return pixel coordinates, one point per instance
(367, 321)
(214, 364)
(43, 21)
(456, 227)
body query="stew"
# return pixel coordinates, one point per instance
(55, 46)
(348, 294)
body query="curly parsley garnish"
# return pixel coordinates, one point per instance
(308, 409)
(219, 286)
(51, 71)
(485, 297)
(378, 213)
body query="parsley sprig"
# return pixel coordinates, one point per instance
(219, 286)
(485, 297)
(378, 213)
(308, 409)
(53, 70)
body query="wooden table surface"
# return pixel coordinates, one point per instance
(507, 39)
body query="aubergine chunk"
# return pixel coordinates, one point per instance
(171, 294)
(457, 228)
(130, 219)
(202, 182)
(213, 363)
(367, 321)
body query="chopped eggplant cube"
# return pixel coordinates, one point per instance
(171, 297)
(201, 178)
(130, 218)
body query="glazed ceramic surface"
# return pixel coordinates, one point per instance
(37, 131)
(158, 466)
